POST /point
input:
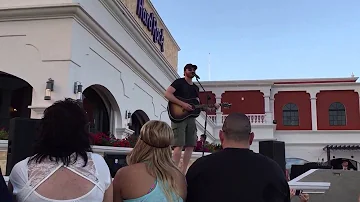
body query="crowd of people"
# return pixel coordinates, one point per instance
(64, 167)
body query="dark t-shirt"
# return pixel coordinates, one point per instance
(234, 175)
(184, 89)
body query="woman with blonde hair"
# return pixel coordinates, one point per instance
(151, 174)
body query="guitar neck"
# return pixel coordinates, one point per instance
(203, 105)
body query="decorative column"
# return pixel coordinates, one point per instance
(272, 108)
(37, 112)
(267, 103)
(273, 92)
(219, 113)
(313, 109)
(121, 133)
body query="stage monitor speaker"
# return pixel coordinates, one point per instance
(274, 150)
(22, 136)
(115, 162)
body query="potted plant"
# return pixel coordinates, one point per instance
(101, 139)
(4, 135)
(213, 147)
(208, 147)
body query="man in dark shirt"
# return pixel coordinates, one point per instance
(236, 173)
(184, 131)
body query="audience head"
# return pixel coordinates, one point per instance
(153, 148)
(236, 131)
(203, 138)
(153, 143)
(63, 132)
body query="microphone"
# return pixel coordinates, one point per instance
(196, 76)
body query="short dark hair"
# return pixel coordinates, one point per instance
(63, 131)
(237, 127)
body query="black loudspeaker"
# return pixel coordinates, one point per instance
(22, 136)
(274, 150)
(115, 162)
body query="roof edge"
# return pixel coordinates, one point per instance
(282, 81)
(165, 27)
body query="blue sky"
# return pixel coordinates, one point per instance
(266, 39)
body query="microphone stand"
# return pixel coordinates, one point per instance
(206, 114)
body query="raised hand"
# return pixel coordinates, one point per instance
(304, 197)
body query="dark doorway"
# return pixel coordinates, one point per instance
(96, 110)
(138, 119)
(15, 99)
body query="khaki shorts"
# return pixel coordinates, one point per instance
(185, 133)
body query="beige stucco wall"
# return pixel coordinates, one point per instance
(170, 48)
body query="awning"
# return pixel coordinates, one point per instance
(346, 147)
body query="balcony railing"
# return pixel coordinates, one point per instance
(255, 119)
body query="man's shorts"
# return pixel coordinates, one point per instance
(185, 133)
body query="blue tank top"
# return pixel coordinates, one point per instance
(156, 194)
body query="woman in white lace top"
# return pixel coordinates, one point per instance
(63, 167)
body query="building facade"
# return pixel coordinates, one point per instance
(117, 55)
(318, 119)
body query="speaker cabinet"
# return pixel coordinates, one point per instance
(22, 136)
(274, 150)
(115, 162)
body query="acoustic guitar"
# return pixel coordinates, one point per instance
(177, 113)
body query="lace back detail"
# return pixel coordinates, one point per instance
(39, 171)
(89, 171)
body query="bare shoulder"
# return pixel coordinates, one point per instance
(129, 170)
(118, 178)
(120, 173)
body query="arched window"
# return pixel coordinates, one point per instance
(337, 114)
(290, 115)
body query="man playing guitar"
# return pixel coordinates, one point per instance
(185, 132)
